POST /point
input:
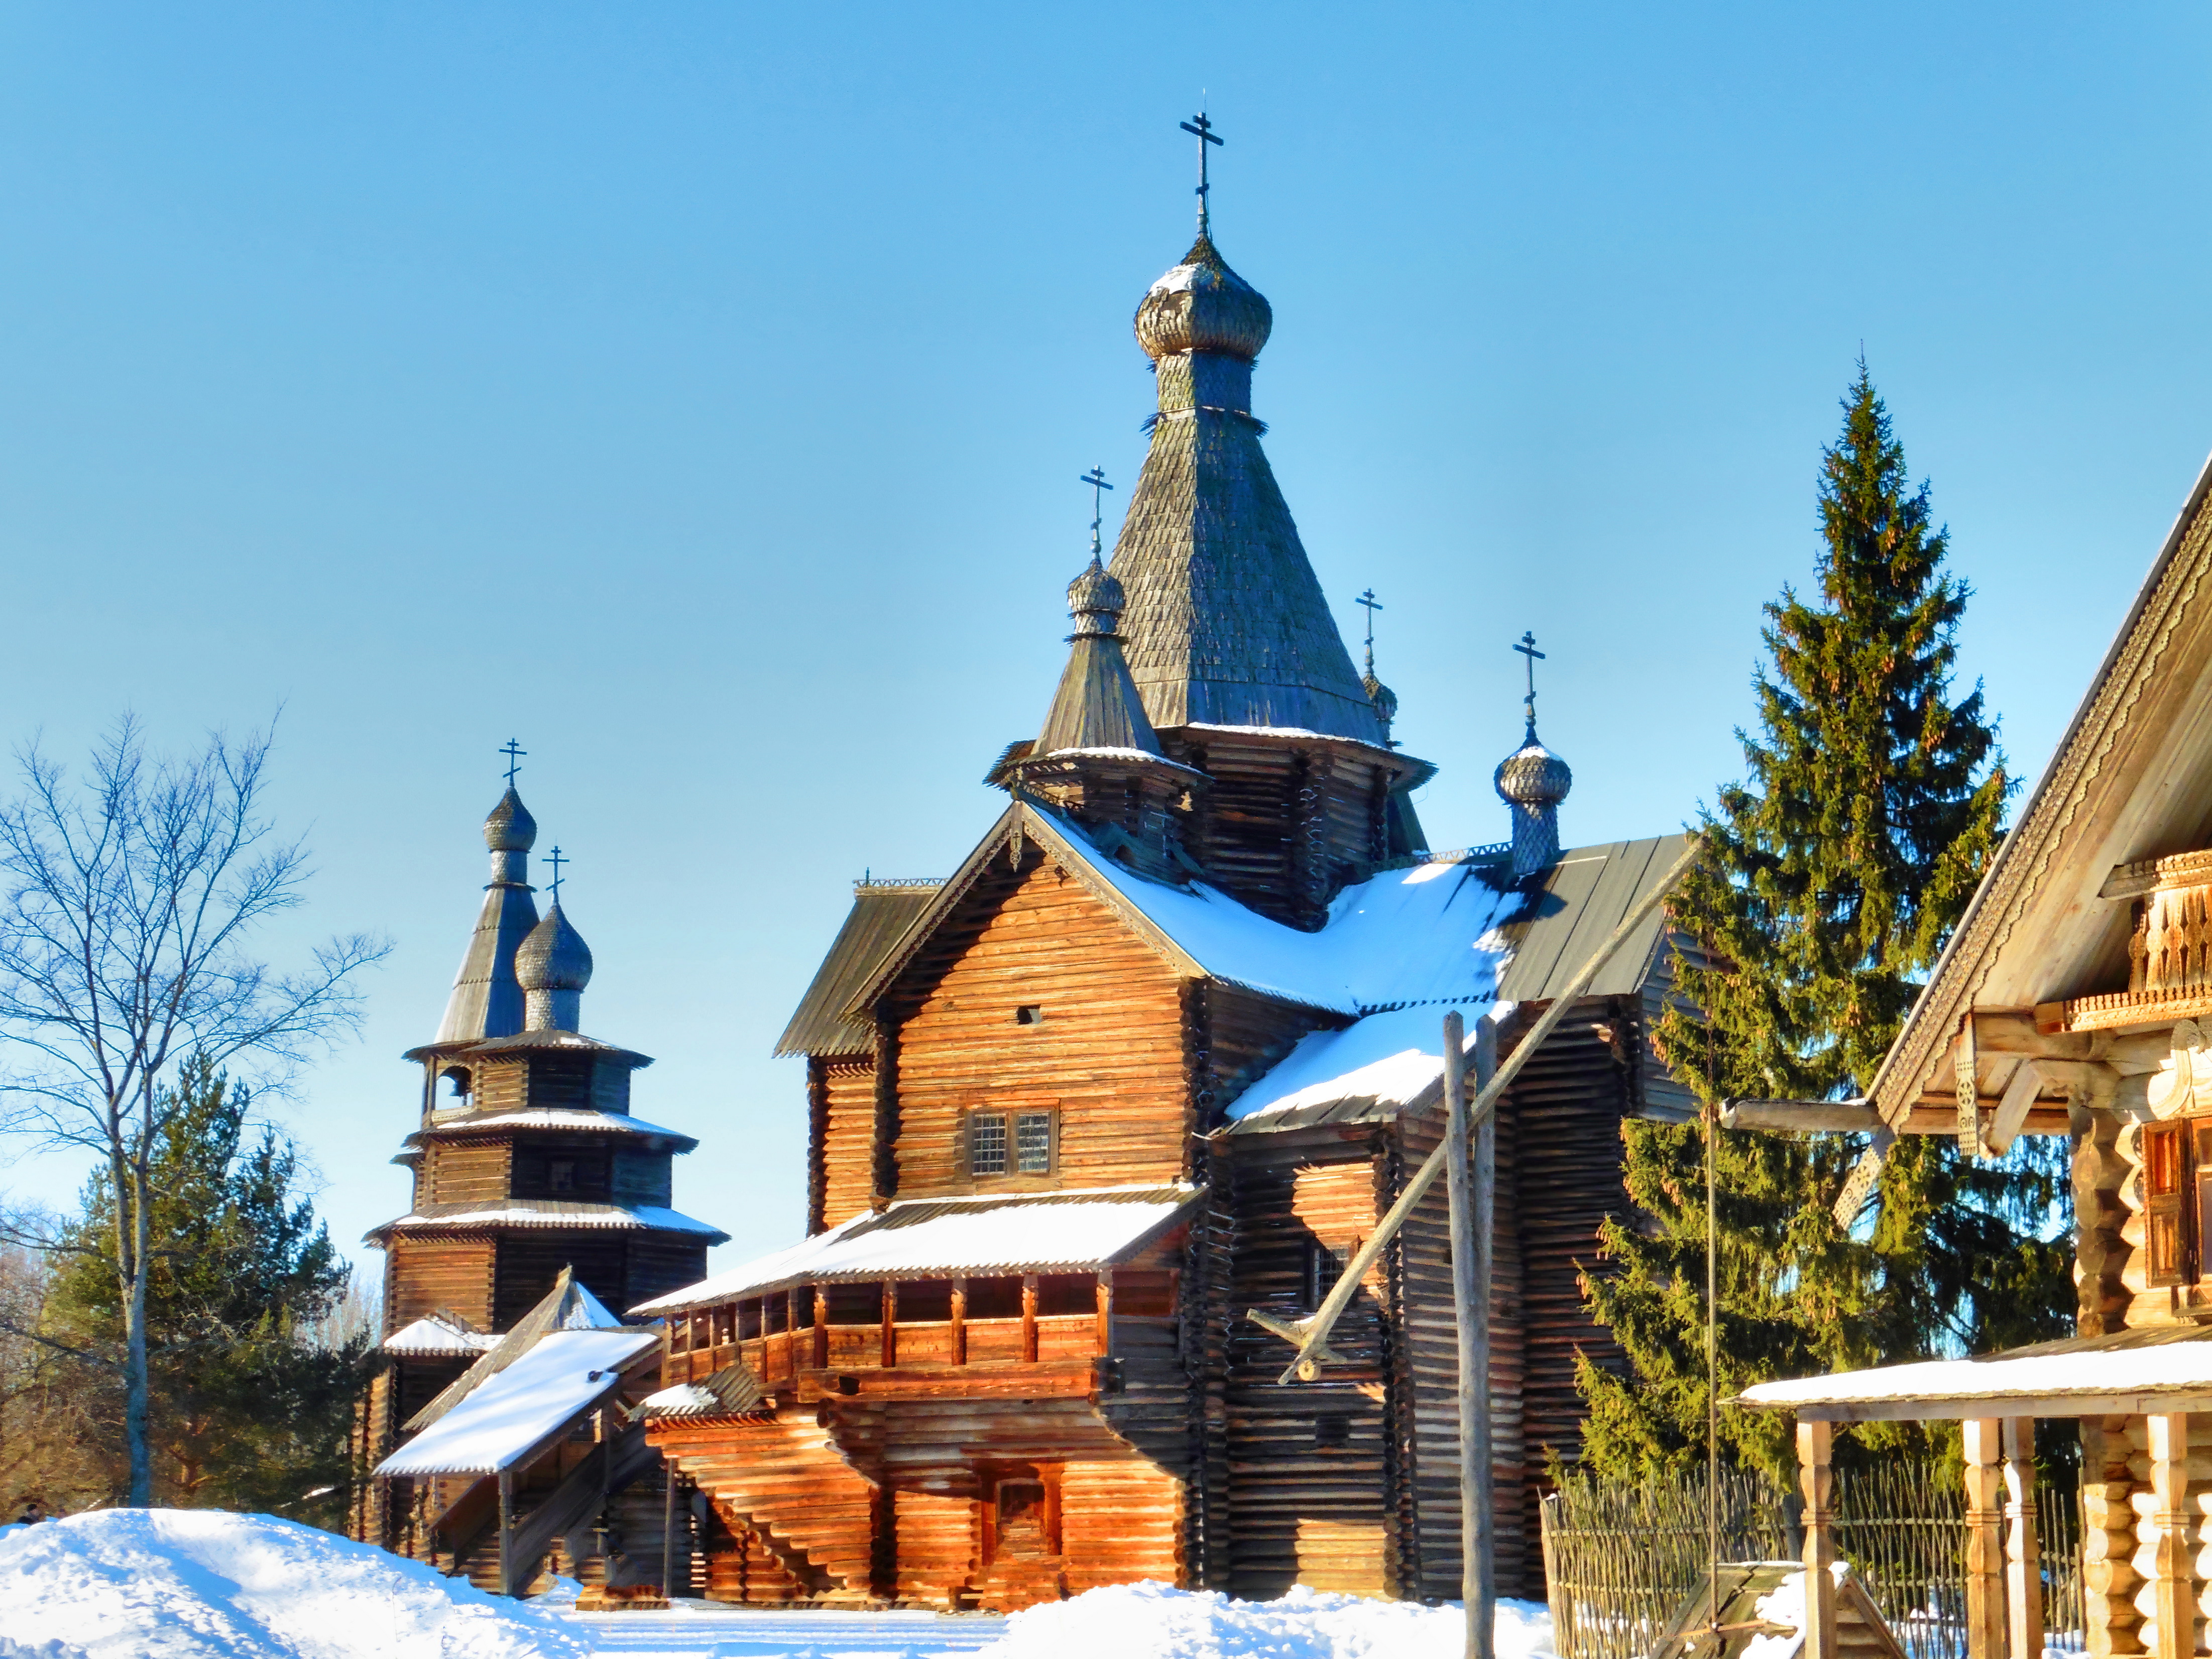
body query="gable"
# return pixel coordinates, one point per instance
(1101, 1047)
(2130, 779)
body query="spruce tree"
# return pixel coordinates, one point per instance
(1833, 874)
(249, 1409)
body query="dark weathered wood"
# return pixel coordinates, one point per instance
(1470, 1174)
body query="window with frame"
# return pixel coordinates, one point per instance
(1011, 1143)
(2177, 1201)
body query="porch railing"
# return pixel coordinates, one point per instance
(1620, 1559)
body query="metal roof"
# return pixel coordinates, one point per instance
(1582, 900)
(881, 913)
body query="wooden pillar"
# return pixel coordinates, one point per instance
(821, 1328)
(1029, 1319)
(1105, 1312)
(1470, 1197)
(505, 1532)
(2174, 1599)
(957, 1335)
(890, 1323)
(1814, 1442)
(2023, 1550)
(668, 1531)
(1987, 1636)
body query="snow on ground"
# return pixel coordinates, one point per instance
(207, 1584)
(1150, 1621)
(1128, 1621)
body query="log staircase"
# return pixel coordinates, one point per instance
(784, 1480)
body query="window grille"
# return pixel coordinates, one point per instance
(987, 1143)
(1033, 1143)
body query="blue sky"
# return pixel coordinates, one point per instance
(696, 393)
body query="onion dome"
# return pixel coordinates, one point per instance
(1095, 600)
(510, 828)
(1384, 699)
(1203, 306)
(553, 966)
(1533, 776)
(553, 957)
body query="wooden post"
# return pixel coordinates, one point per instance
(1470, 1209)
(1105, 1312)
(505, 1531)
(2023, 1550)
(668, 1532)
(2174, 1599)
(1029, 1319)
(1814, 1442)
(1987, 1636)
(821, 1328)
(891, 1324)
(957, 1337)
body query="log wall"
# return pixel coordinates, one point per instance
(847, 1136)
(423, 1276)
(1106, 1053)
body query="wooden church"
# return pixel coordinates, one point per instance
(534, 1188)
(1162, 1051)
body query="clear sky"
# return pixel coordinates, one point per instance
(696, 393)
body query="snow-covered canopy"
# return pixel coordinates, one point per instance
(511, 1414)
(923, 1238)
(1382, 1063)
(2157, 1369)
(552, 1213)
(551, 1117)
(434, 1334)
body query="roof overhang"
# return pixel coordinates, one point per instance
(2131, 779)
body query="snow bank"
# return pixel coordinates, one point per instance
(1152, 1621)
(207, 1584)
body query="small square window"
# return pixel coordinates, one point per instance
(1029, 1013)
(987, 1143)
(1033, 1143)
(561, 1174)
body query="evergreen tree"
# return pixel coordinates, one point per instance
(1832, 876)
(249, 1410)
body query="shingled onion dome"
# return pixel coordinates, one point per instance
(1533, 781)
(553, 967)
(1384, 699)
(1203, 306)
(510, 828)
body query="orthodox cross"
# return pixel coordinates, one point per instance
(1373, 605)
(514, 752)
(556, 860)
(1097, 479)
(1527, 647)
(1203, 130)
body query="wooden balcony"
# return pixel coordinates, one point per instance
(1037, 1335)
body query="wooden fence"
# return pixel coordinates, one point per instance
(1620, 1559)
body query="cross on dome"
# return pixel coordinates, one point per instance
(514, 752)
(1527, 647)
(1202, 129)
(1097, 479)
(557, 857)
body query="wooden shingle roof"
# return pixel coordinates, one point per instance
(881, 913)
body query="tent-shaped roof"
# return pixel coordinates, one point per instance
(1077, 1231)
(509, 1417)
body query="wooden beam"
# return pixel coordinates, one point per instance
(2012, 1107)
(2023, 1551)
(2172, 1596)
(505, 1532)
(1468, 1185)
(959, 1316)
(1105, 1311)
(889, 1347)
(1955, 1409)
(1986, 1634)
(1815, 1442)
(1802, 1116)
(1029, 1319)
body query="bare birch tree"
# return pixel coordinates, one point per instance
(130, 899)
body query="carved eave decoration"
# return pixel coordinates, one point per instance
(2025, 1015)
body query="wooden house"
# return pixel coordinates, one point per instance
(528, 1169)
(2075, 998)
(1162, 1051)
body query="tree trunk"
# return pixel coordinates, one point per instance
(135, 1437)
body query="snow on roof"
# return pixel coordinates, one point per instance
(435, 1333)
(1429, 934)
(548, 1117)
(921, 1238)
(510, 1414)
(2173, 1361)
(1388, 1059)
(553, 1213)
(685, 1400)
